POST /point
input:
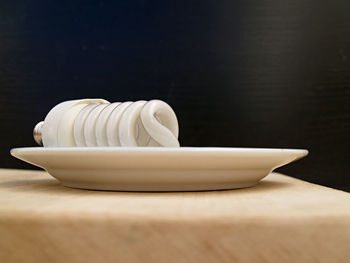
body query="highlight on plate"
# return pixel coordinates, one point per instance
(97, 122)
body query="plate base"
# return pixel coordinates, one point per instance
(163, 188)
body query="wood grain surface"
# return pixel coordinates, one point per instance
(280, 220)
(237, 73)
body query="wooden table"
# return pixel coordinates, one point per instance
(280, 220)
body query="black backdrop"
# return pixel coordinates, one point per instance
(237, 73)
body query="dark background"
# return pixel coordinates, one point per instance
(237, 73)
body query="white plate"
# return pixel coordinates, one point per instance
(157, 168)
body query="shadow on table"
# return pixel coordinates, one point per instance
(30, 182)
(50, 186)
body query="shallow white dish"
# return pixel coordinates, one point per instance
(157, 168)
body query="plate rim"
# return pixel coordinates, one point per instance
(185, 149)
